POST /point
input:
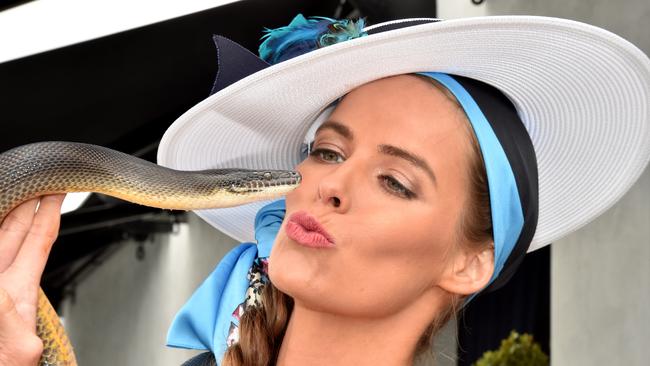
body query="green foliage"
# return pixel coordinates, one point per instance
(516, 350)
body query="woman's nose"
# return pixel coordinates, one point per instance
(333, 189)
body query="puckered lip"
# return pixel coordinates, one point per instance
(310, 223)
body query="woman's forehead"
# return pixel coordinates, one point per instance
(398, 106)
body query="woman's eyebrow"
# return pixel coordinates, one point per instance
(338, 127)
(412, 158)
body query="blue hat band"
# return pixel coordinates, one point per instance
(505, 205)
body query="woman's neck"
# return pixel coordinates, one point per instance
(316, 338)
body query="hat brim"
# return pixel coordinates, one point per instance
(582, 92)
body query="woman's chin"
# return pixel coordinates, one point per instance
(292, 269)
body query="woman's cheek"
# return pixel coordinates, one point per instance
(276, 257)
(307, 186)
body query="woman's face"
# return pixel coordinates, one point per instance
(387, 180)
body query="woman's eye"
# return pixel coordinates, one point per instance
(327, 155)
(395, 187)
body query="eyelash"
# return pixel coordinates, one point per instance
(387, 180)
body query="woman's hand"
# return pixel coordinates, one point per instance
(26, 237)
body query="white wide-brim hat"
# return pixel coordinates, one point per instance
(582, 92)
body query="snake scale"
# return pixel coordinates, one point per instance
(40, 168)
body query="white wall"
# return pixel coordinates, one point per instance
(600, 287)
(122, 310)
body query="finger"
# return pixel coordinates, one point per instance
(13, 231)
(33, 254)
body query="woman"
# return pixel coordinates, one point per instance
(410, 241)
(420, 189)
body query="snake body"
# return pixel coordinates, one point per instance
(36, 169)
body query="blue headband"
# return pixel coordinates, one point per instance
(505, 205)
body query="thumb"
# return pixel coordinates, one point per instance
(10, 320)
(19, 345)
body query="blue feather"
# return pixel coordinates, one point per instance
(303, 35)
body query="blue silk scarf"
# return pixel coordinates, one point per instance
(210, 318)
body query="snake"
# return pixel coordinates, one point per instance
(51, 167)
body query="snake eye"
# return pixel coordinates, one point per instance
(267, 176)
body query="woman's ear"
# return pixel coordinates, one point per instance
(468, 270)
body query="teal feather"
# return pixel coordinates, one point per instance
(303, 35)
